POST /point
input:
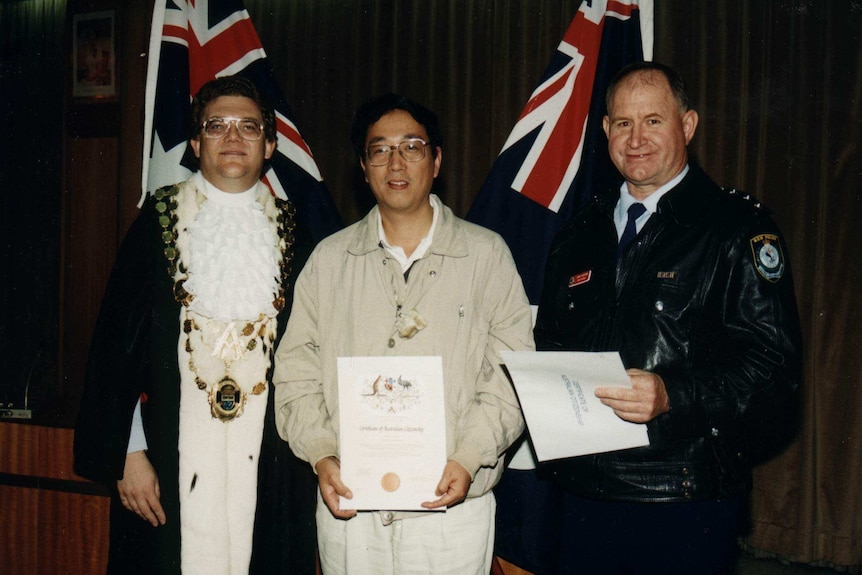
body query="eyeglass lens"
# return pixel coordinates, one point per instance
(410, 150)
(218, 127)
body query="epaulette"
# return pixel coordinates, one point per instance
(754, 202)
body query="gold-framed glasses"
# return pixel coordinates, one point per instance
(412, 150)
(216, 128)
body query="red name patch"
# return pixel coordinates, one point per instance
(580, 278)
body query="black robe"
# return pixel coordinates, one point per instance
(134, 355)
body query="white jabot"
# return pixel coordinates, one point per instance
(233, 257)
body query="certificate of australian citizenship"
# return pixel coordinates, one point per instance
(565, 418)
(392, 430)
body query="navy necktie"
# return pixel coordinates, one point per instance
(635, 211)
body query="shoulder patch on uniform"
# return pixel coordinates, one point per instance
(768, 257)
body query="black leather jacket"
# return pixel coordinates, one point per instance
(704, 298)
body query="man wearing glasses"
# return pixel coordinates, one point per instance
(181, 355)
(410, 279)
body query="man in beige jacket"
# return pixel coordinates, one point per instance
(408, 279)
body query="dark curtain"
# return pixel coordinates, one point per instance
(778, 85)
(32, 61)
(779, 88)
(475, 63)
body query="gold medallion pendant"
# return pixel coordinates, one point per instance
(226, 399)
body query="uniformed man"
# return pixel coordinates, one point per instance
(691, 283)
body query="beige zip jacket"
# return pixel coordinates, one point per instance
(468, 291)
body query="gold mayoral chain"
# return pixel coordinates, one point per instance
(226, 398)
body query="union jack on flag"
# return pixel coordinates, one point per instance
(554, 160)
(192, 42)
(556, 155)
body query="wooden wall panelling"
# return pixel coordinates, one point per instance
(73, 533)
(91, 232)
(46, 532)
(36, 451)
(55, 453)
(134, 18)
(51, 521)
(19, 448)
(18, 529)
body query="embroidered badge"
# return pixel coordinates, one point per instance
(666, 275)
(580, 278)
(768, 257)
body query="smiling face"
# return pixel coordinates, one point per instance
(647, 132)
(400, 187)
(231, 163)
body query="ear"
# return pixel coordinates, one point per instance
(689, 125)
(269, 149)
(606, 126)
(438, 159)
(364, 169)
(196, 146)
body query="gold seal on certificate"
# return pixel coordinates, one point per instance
(392, 430)
(390, 482)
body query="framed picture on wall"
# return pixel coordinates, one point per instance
(93, 57)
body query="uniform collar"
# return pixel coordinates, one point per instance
(652, 200)
(686, 202)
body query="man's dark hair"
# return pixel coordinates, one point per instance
(231, 86)
(371, 111)
(676, 82)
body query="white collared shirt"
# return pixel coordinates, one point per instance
(397, 252)
(650, 203)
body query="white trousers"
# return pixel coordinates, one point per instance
(459, 541)
(218, 467)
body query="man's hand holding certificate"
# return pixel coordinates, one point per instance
(392, 432)
(564, 416)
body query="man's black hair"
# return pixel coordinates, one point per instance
(371, 111)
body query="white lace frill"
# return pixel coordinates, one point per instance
(232, 258)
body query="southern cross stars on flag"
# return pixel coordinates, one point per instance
(191, 43)
(560, 106)
(554, 160)
(556, 154)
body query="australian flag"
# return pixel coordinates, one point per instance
(554, 160)
(191, 43)
(556, 155)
